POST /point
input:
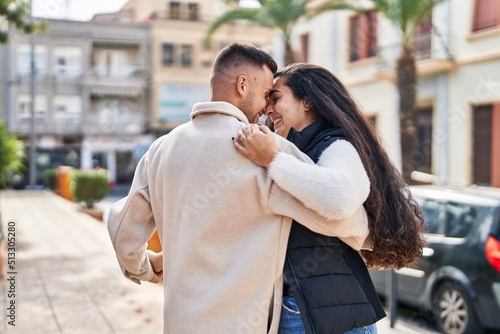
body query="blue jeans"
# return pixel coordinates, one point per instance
(291, 321)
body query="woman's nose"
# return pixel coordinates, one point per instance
(269, 110)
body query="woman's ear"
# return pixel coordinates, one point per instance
(242, 85)
(307, 104)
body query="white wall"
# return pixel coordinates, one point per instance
(474, 79)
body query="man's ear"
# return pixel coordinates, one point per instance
(242, 85)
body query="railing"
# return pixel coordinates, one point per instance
(58, 124)
(109, 122)
(66, 123)
(124, 71)
(182, 15)
(68, 70)
(425, 46)
(67, 119)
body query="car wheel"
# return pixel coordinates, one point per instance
(454, 310)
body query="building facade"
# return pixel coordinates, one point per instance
(458, 92)
(91, 94)
(180, 64)
(105, 89)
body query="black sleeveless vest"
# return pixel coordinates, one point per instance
(329, 279)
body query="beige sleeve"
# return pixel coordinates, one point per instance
(130, 225)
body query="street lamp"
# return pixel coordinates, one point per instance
(32, 167)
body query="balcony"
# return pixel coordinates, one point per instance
(58, 124)
(68, 71)
(182, 15)
(110, 123)
(431, 51)
(124, 81)
(66, 124)
(124, 71)
(115, 91)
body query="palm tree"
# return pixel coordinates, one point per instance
(279, 14)
(17, 14)
(11, 156)
(406, 15)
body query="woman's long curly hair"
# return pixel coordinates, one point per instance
(395, 220)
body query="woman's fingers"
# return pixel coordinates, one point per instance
(251, 129)
(241, 137)
(239, 146)
(265, 129)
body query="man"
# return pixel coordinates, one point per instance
(219, 216)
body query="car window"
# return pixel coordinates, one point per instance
(495, 230)
(459, 219)
(434, 213)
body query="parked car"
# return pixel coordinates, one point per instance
(458, 276)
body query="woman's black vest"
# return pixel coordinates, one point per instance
(328, 278)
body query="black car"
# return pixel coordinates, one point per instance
(458, 276)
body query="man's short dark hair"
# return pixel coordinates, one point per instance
(243, 53)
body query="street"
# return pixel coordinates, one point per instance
(65, 278)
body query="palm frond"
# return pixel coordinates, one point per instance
(236, 14)
(284, 12)
(333, 5)
(280, 14)
(406, 14)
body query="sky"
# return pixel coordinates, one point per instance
(77, 10)
(84, 10)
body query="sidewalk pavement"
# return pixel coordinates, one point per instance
(66, 277)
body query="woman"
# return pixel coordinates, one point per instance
(327, 285)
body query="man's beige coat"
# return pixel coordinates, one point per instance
(223, 224)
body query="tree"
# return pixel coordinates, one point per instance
(16, 13)
(405, 15)
(12, 156)
(283, 15)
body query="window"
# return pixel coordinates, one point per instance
(24, 106)
(486, 14)
(168, 54)
(193, 12)
(24, 59)
(433, 213)
(459, 219)
(423, 159)
(206, 60)
(68, 108)
(61, 64)
(422, 39)
(61, 109)
(114, 106)
(482, 144)
(68, 61)
(186, 55)
(363, 36)
(175, 10)
(113, 63)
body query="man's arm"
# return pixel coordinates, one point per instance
(130, 225)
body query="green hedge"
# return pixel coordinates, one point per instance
(49, 178)
(89, 186)
(12, 156)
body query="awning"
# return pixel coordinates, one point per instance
(116, 91)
